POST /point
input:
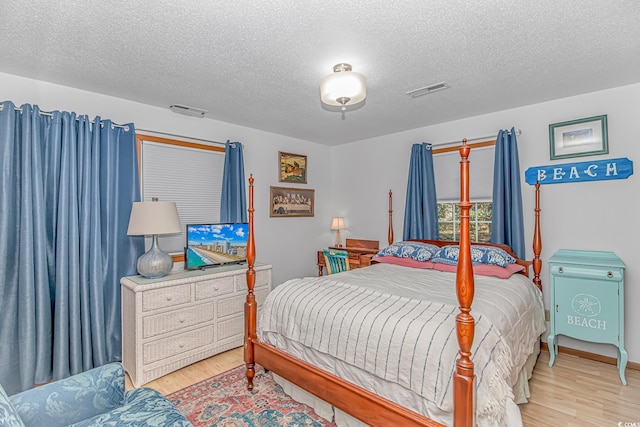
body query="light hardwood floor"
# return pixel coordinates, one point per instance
(576, 392)
(195, 373)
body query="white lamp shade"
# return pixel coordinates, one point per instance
(149, 218)
(344, 84)
(337, 223)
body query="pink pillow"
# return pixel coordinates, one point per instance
(405, 262)
(485, 269)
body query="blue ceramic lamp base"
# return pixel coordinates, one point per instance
(154, 263)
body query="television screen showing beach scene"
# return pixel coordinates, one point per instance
(216, 244)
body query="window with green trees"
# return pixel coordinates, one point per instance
(479, 221)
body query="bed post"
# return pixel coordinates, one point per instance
(464, 377)
(537, 242)
(250, 305)
(390, 233)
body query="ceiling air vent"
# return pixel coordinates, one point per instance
(427, 89)
(188, 111)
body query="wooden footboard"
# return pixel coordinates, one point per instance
(352, 399)
(357, 401)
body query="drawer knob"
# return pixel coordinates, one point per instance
(215, 288)
(560, 270)
(181, 320)
(181, 345)
(169, 297)
(609, 274)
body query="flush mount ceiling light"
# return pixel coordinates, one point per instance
(188, 111)
(427, 89)
(343, 87)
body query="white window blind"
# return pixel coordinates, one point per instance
(446, 167)
(191, 177)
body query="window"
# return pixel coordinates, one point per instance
(479, 221)
(446, 164)
(187, 173)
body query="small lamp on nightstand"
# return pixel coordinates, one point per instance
(337, 223)
(151, 219)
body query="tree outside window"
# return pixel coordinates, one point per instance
(479, 221)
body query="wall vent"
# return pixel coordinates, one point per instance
(427, 89)
(188, 111)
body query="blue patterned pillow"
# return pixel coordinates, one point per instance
(490, 255)
(415, 250)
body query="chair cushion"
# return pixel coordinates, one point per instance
(144, 407)
(8, 415)
(72, 399)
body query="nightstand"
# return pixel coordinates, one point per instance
(360, 253)
(587, 300)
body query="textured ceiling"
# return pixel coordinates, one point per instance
(258, 64)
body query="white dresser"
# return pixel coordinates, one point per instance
(184, 317)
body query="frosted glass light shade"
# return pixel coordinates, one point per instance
(343, 85)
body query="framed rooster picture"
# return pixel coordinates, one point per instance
(292, 168)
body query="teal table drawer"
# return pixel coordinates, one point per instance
(587, 300)
(587, 272)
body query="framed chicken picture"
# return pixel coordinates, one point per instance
(293, 168)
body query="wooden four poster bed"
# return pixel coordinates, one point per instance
(456, 395)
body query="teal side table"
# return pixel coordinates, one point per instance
(587, 300)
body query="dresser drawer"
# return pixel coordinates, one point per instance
(185, 341)
(235, 304)
(262, 279)
(166, 297)
(212, 288)
(586, 272)
(230, 328)
(174, 320)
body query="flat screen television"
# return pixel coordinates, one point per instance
(209, 245)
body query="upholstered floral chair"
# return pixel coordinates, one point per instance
(93, 398)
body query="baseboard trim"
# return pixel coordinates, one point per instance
(592, 356)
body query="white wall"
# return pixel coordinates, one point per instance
(590, 215)
(289, 244)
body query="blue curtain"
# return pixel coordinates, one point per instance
(65, 199)
(421, 207)
(233, 206)
(507, 225)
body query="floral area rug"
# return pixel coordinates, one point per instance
(224, 401)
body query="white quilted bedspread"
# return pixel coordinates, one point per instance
(399, 324)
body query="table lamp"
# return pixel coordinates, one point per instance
(151, 219)
(337, 223)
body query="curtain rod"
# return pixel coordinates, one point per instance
(182, 136)
(50, 114)
(459, 141)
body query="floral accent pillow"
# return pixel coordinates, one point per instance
(418, 251)
(490, 255)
